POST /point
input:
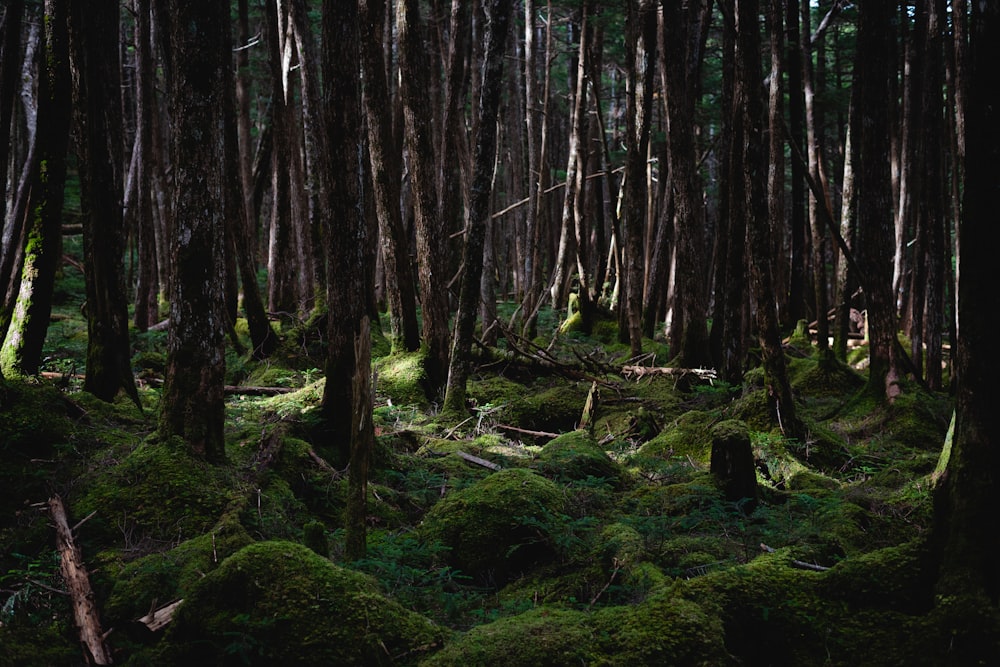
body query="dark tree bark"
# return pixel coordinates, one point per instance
(98, 106)
(347, 400)
(970, 493)
(385, 175)
(484, 160)
(10, 58)
(192, 403)
(431, 235)
(640, 54)
(870, 124)
(688, 335)
(795, 305)
(748, 105)
(22, 348)
(147, 311)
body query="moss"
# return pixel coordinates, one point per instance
(536, 638)
(402, 378)
(554, 409)
(689, 437)
(280, 603)
(159, 491)
(576, 456)
(498, 526)
(314, 537)
(662, 630)
(621, 545)
(158, 578)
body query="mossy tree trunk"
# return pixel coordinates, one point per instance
(498, 19)
(970, 493)
(97, 99)
(192, 403)
(25, 336)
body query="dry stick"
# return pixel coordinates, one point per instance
(801, 564)
(538, 434)
(85, 613)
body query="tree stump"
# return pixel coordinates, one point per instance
(732, 462)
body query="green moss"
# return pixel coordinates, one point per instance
(688, 437)
(159, 491)
(280, 603)
(498, 526)
(402, 378)
(536, 638)
(554, 409)
(576, 456)
(159, 578)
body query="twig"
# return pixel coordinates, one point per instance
(478, 461)
(801, 564)
(537, 434)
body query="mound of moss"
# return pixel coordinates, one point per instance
(279, 603)
(498, 526)
(575, 456)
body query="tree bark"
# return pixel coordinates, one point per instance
(22, 348)
(192, 403)
(98, 104)
(385, 175)
(969, 494)
(870, 124)
(484, 161)
(431, 236)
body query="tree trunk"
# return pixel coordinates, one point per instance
(969, 494)
(431, 236)
(385, 174)
(870, 127)
(351, 247)
(10, 52)
(22, 348)
(192, 402)
(689, 328)
(99, 128)
(484, 161)
(640, 54)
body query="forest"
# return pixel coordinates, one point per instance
(499, 332)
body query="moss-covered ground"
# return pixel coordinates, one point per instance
(606, 544)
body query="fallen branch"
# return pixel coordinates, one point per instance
(801, 564)
(537, 434)
(78, 581)
(642, 371)
(158, 619)
(478, 461)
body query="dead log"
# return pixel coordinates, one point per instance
(478, 461)
(158, 619)
(536, 434)
(642, 371)
(85, 613)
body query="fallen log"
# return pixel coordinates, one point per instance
(85, 612)
(641, 371)
(158, 619)
(478, 461)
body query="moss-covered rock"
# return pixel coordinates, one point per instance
(688, 436)
(402, 378)
(575, 456)
(554, 409)
(498, 526)
(280, 603)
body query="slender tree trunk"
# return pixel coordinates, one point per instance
(640, 50)
(10, 57)
(385, 174)
(99, 123)
(795, 309)
(870, 126)
(192, 405)
(484, 161)
(431, 236)
(22, 348)
(688, 328)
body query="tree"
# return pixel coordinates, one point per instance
(347, 394)
(431, 234)
(688, 335)
(42, 247)
(969, 492)
(385, 175)
(192, 404)
(484, 156)
(870, 118)
(98, 105)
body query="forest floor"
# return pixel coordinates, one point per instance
(531, 532)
